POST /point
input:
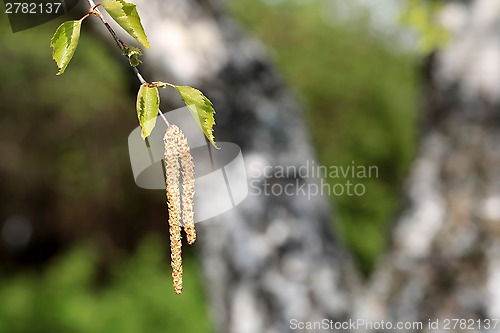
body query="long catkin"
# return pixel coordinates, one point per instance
(177, 156)
(172, 170)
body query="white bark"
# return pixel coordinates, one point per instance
(444, 260)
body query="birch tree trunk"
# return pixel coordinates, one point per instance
(444, 260)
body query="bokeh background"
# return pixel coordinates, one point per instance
(82, 249)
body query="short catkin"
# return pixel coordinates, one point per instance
(177, 156)
(187, 165)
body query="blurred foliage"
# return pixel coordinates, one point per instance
(63, 140)
(65, 170)
(361, 97)
(420, 15)
(137, 298)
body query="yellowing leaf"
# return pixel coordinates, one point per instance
(125, 14)
(64, 43)
(148, 106)
(201, 108)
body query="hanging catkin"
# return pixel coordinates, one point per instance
(177, 156)
(187, 166)
(172, 172)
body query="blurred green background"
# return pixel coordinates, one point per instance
(361, 94)
(86, 261)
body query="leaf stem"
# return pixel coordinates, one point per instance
(121, 45)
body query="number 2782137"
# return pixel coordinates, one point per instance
(33, 8)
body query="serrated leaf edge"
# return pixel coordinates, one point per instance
(140, 108)
(122, 3)
(208, 103)
(63, 67)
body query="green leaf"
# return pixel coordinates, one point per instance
(148, 106)
(64, 43)
(125, 14)
(133, 54)
(201, 108)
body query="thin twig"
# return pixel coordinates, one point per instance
(122, 46)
